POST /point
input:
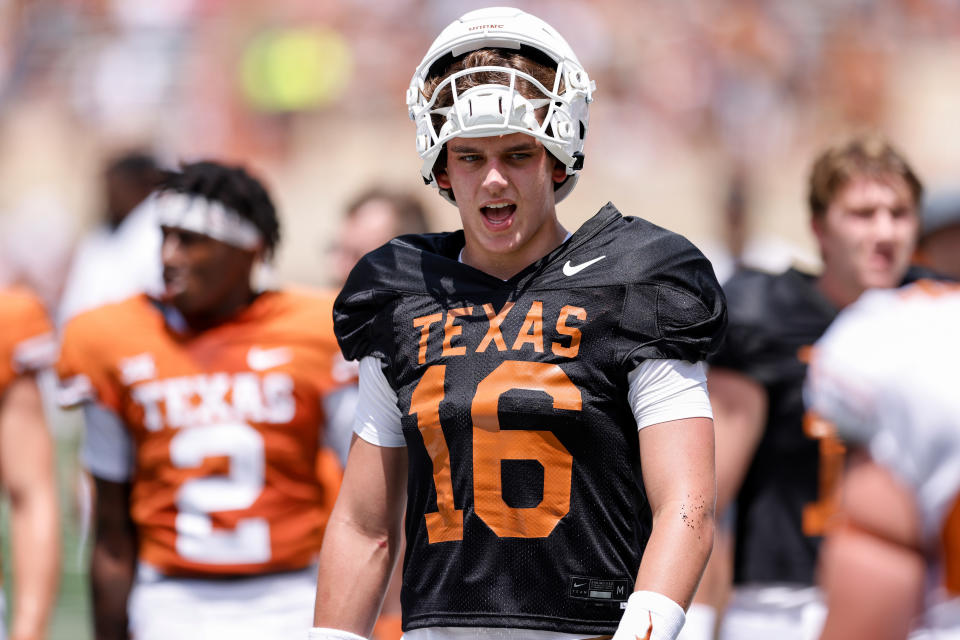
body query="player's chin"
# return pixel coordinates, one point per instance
(181, 297)
(883, 277)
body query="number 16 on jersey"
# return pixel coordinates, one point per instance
(491, 445)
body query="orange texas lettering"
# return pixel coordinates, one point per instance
(447, 328)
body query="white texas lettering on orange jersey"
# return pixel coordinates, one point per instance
(228, 473)
(218, 397)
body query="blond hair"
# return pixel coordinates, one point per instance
(870, 156)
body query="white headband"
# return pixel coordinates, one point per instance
(207, 217)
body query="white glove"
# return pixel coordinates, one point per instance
(321, 633)
(650, 616)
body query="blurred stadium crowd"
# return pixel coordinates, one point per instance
(707, 116)
(699, 103)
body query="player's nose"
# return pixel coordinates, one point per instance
(495, 179)
(884, 225)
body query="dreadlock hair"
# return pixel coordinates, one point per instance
(235, 189)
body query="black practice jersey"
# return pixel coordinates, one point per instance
(525, 502)
(789, 490)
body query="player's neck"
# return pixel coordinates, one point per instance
(838, 292)
(505, 265)
(231, 305)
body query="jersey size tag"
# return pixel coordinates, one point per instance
(599, 589)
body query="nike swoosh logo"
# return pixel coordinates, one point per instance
(571, 270)
(579, 585)
(260, 359)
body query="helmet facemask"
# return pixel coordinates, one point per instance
(504, 100)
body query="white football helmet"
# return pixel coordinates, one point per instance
(498, 109)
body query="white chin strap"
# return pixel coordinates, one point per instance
(208, 218)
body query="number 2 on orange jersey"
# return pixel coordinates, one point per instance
(492, 445)
(197, 539)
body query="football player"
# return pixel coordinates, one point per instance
(777, 462)
(127, 234)
(26, 464)
(939, 244)
(204, 412)
(893, 563)
(506, 369)
(373, 217)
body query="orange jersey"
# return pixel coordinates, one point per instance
(26, 340)
(225, 424)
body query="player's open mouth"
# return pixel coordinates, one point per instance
(498, 215)
(881, 260)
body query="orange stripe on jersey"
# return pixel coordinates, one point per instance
(226, 425)
(950, 539)
(928, 288)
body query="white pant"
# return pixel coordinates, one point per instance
(256, 608)
(941, 620)
(784, 612)
(3, 615)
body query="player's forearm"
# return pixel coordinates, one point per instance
(36, 559)
(678, 549)
(354, 571)
(112, 570)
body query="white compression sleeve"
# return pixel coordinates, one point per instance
(650, 616)
(322, 633)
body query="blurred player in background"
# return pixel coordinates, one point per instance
(127, 235)
(506, 370)
(885, 374)
(374, 217)
(26, 464)
(939, 246)
(204, 414)
(777, 463)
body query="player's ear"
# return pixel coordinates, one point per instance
(443, 180)
(559, 172)
(818, 226)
